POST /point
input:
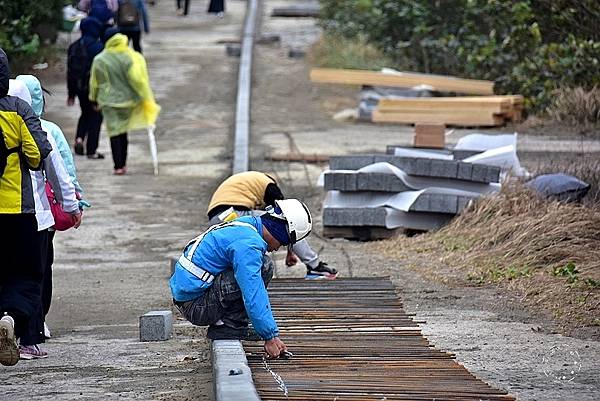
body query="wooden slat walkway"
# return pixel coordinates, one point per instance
(352, 340)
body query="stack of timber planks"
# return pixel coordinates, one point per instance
(484, 110)
(475, 111)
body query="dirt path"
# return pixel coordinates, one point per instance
(115, 267)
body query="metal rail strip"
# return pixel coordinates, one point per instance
(352, 340)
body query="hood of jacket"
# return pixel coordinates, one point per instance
(117, 42)
(35, 90)
(91, 27)
(4, 73)
(19, 89)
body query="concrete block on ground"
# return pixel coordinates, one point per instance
(156, 326)
(233, 50)
(296, 53)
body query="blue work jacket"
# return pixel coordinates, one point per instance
(242, 249)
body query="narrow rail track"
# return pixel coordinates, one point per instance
(352, 340)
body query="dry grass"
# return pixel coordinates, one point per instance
(337, 52)
(576, 106)
(547, 252)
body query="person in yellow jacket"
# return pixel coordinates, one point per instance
(120, 87)
(23, 146)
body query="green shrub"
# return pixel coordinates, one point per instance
(530, 47)
(19, 21)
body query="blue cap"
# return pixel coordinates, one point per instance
(277, 228)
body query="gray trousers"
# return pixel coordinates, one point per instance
(223, 300)
(301, 248)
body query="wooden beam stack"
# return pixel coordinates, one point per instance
(439, 83)
(483, 110)
(486, 111)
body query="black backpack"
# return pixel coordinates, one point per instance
(4, 152)
(79, 65)
(128, 14)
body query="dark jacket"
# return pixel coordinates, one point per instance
(91, 32)
(21, 130)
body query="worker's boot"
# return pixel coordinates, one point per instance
(224, 332)
(322, 270)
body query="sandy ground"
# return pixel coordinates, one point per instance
(116, 266)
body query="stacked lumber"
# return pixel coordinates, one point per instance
(477, 111)
(482, 110)
(372, 196)
(439, 83)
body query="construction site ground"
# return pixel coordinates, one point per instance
(116, 266)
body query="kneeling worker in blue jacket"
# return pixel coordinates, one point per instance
(221, 278)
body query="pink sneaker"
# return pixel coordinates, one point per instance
(32, 352)
(9, 353)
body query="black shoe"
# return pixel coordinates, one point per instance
(321, 270)
(96, 156)
(224, 332)
(78, 147)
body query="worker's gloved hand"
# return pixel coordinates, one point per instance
(291, 259)
(274, 348)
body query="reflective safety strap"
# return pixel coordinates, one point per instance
(195, 270)
(186, 260)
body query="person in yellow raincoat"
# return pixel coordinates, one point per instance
(120, 87)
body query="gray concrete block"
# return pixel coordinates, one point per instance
(464, 171)
(420, 167)
(156, 326)
(436, 203)
(354, 216)
(492, 174)
(233, 50)
(350, 182)
(479, 173)
(444, 168)
(350, 162)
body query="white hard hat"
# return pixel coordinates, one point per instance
(297, 216)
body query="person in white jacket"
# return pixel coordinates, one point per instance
(54, 171)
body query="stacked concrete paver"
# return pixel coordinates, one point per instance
(428, 209)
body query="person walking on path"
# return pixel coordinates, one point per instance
(79, 62)
(102, 10)
(182, 10)
(220, 280)
(131, 15)
(23, 146)
(248, 193)
(60, 172)
(120, 87)
(217, 7)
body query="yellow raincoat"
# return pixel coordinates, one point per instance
(120, 85)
